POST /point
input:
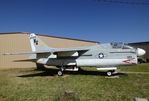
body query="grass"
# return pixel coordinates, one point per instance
(90, 85)
(136, 68)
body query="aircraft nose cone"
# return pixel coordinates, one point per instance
(140, 51)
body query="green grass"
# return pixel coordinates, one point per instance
(136, 68)
(30, 85)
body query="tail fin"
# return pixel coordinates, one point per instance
(37, 44)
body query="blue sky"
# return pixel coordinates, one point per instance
(81, 19)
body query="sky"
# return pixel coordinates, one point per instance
(93, 20)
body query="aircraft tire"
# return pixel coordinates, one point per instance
(60, 73)
(109, 73)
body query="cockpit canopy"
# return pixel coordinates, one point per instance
(120, 45)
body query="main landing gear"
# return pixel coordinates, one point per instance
(110, 72)
(60, 72)
(70, 68)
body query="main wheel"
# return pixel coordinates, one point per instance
(60, 73)
(109, 73)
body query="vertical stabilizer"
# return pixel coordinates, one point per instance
(37, 44)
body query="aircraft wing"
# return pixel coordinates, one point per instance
(59, 50)
(26, 53)
(68, 50)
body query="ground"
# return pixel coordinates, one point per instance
(87, 85)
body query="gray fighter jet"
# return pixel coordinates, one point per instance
(105, 57)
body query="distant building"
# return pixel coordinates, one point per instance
(19, 42)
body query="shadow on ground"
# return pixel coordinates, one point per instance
(53, 72)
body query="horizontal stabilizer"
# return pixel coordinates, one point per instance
(26, 60)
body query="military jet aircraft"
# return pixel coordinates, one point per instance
(105, 57)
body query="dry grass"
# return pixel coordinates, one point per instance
(88, 85)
